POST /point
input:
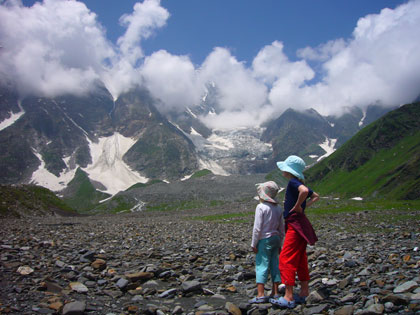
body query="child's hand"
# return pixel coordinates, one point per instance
(255, 250)
(297, 208)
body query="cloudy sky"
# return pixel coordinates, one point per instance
(264, 56)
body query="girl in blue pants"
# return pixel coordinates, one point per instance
(267, 237)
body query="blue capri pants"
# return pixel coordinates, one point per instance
(267, 259)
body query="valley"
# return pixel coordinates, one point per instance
(198, 259)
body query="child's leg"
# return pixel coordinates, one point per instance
(288, 294)
(275, 290)
(274, 263)
(260, 290)
(290, 259)
(304, 288)
(261, 266)
(303, 274)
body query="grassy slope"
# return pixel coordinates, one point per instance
(81, 194)
(30, 200)
(382, 160)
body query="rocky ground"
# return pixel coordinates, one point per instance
(170, 263)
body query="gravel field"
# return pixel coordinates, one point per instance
(176, 263)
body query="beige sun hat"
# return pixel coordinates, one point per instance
(268, 191)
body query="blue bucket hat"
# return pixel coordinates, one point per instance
(293, 165)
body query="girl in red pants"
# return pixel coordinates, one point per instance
(299, 232)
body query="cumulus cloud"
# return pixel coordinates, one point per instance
(173, 79)
(272, 65)
(379, 64)
(58, 46)
(322, 52)
(238, 89)
(123, 73)
(51, 48)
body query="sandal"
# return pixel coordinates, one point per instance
(282, 302)
(299, 299)
(257, 300)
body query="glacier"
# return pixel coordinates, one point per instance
(45, 178)
(222, 150)
(108, 167)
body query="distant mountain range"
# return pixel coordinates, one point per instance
(109, 146)
(312, 136)
(124, 141)
(382, 160)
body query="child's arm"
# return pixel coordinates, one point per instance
(303, 193)
(314, 198)
(281, 231)
(258, 220)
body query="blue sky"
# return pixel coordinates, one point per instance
(262, 56)
(195, 27)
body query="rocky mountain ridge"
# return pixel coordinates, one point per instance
(127, 141)
(380, 160)
(313, 136)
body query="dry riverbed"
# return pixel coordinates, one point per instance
(176, 263)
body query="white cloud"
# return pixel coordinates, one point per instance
(271, 65)
(146, 17)
(322, 52)
(231, 119)
(240, 95)
(58, 46)
(172, 79)
(238, 90)
(379, 64)
(141, 24)
(51, 48)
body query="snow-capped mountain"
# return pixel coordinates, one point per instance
(127, 141)
(313, 136)
(45, 140)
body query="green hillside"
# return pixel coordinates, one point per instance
(30, 201)
(80, 194)
(380, 161)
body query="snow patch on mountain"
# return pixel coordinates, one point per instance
(108, 166)
(12, 119)
(328, 146)
(363, 119)
(48, 180)
(195, 133)
(213, 166)
(191, 113)
(138, 207)
(70, 119)
(186, 177)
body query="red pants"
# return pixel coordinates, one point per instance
(293, 258)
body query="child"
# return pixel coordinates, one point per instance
(267, 237)
(299, 232)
